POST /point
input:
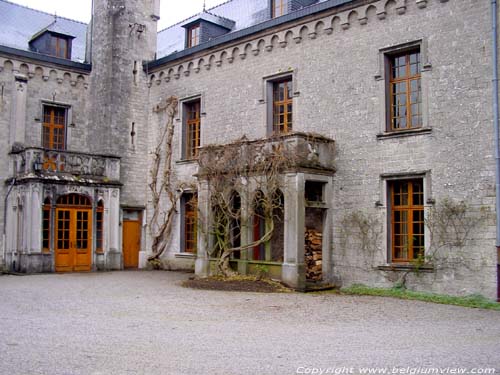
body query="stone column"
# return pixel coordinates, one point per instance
(202, 263)
(327, 232)
(293, 269)
(18, 114)
(114, 254)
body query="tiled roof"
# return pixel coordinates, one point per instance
(19, 24)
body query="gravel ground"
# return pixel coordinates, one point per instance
(145, 323)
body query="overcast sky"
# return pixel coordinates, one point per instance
(171, 11)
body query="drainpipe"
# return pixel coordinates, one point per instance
(495, 124)
(5, 218)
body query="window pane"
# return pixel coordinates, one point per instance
(405, 90)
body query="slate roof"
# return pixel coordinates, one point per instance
(244, 13)
(19, 24)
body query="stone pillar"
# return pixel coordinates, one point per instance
(18, 114)
(327, 233)
(114, 254)
(202, 263)
(293, 269)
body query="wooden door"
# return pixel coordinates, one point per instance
(73, 240)
(131, 243)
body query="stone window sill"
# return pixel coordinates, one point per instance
(404, 133)
(402, 267)
(185, 255)
(186, 161)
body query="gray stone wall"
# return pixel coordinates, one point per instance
(25, 85)
(336, 61)
(124, 36)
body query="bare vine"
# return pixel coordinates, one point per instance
(160, 224)
(366, 229)
(233, 169)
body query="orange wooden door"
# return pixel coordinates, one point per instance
(73, 240)
(82, 240)
(131, 243)
(63, 251)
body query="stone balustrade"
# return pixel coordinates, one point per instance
(34, 161)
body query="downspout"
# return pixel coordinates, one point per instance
(4, 234)
(495, 124)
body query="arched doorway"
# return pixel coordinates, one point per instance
(73, 234)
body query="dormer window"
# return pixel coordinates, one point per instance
(53, 41)
(279, 8)
(205, 27)
(193, 38)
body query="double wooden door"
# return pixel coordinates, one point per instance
(73, 239)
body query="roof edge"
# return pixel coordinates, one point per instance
(46, 59)
(304, 12)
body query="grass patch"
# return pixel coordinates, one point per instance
(474, 300)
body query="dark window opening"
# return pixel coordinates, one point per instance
(46, 226)
(190, 211)
(314, 191)
(99, 227)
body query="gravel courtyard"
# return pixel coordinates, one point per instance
(146, 323)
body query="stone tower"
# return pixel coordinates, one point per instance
(123, 36)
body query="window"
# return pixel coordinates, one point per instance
(59, 47)
(279, 8)
(99, 227)
(407, 219)
(46, 226)
(282, 106)
(190, 211)
(54, 128)
(405, 91)
(192, 129)
(193, 38)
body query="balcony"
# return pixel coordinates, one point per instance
(35, 162)
(303, 152)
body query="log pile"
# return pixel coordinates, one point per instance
(313, 255)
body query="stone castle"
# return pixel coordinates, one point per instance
(320, 142)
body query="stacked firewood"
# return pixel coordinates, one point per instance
(313, 254)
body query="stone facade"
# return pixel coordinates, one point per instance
(336, 57)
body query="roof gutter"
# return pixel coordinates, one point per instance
(68, 64)
(226, 38)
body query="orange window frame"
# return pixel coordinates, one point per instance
(54, 128)
(193, 125)
(280, 8)
(405, 91)
(190, 223)
(60, 47)
(193, 35)
(407, 220)
(282, 107)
